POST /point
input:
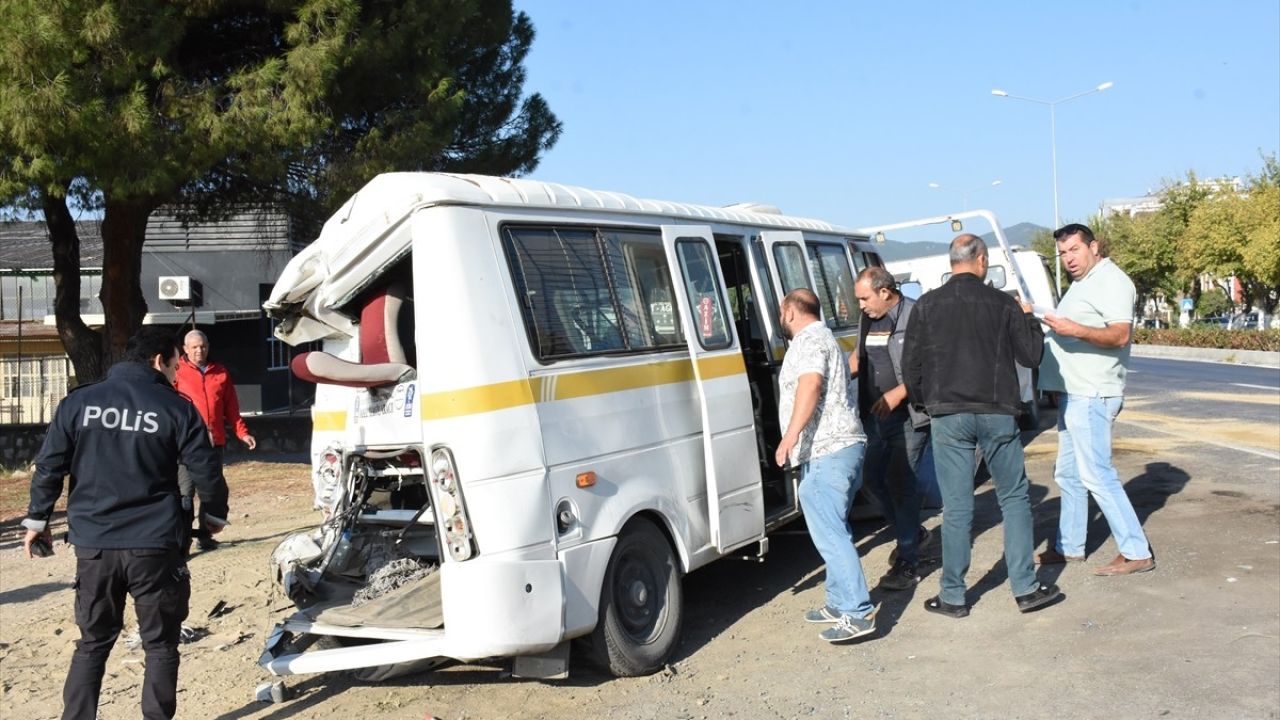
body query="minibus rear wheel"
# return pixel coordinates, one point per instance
(641, 603)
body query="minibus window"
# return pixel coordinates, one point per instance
(766, 282)
(652, 280)
(790, 262)
(590, 291)
(706, 303)
(835, 285)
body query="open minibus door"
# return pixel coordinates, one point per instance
(735, 500)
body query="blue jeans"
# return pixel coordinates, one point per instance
(827, 486)
(955, 439)
(1084, 468)
(891, 472)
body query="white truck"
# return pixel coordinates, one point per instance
(1020, 272)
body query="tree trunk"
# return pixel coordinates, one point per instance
(124, 230)
(124, 227)
(83, 345)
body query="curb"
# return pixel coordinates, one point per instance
(1261, 358)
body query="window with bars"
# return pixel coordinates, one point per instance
(592, 290)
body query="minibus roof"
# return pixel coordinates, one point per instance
(392, 196)
(358, 238)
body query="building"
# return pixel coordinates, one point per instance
(210, 275)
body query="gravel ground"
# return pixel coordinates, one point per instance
(1197, 638)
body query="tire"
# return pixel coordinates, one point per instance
(641, 604)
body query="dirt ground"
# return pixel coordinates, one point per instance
(1198, 638)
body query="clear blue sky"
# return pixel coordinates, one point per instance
(846, 111)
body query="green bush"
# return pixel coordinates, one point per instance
(1214, 302)
(1210, 337)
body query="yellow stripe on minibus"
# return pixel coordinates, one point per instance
(722, 366)
(598, 382)
(570, 385)
(480, 399)
(848, 343)
(329, 420)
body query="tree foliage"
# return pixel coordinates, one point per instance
(126, 106)
(1204, 227)
(1239, 234)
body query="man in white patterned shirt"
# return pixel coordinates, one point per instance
(823, 438)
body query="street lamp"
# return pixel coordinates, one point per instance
(964, 194)
(1053, 141)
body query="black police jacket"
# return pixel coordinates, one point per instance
(121, 441)
(963, 346)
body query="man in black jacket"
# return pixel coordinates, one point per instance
(121, 441)
(960, 360)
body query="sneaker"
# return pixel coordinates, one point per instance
(924, 539)
(823, 614)
(901, 577)
(848, 628)
(207, 543)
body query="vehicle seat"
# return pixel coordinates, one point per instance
(382, 355)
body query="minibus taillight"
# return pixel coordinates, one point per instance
(452, 510)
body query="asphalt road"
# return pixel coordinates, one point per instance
(1222, 420)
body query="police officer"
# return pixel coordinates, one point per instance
(121, 441)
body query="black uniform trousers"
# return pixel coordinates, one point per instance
(188, 489)
(160, 586)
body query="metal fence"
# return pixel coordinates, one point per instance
(31, 388)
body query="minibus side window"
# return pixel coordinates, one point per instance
(706, 304)
(835, 285)
(590, 291)
(790, 262)
(651, 277)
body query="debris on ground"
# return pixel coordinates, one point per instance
(392, 575)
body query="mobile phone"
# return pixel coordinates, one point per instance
(40, 547)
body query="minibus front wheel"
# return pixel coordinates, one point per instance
(641, 603)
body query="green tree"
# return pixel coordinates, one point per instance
(1144, 247)
(122, 107)
(1238, 234)
(1214, 303)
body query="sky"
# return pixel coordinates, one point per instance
(847, 111)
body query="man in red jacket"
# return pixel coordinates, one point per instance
(208, 385)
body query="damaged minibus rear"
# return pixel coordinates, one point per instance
(537, 408)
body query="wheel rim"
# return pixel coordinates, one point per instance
(638, 594)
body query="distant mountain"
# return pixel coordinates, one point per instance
(1020, 234)
(891, 250)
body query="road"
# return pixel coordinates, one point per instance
(1197, 638)
(1223, 406)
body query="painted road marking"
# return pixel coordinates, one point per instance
(1257, 387)
(1193, 438)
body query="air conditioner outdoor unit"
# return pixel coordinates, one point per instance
(180, 289)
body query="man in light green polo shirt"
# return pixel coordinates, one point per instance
(1085, 359)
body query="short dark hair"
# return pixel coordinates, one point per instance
(804, 300)
(879, 278)
(149, 342)
(1067, 231)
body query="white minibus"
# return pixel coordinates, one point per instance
(538, 407)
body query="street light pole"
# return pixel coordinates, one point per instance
(1053, 143)
(964, 194)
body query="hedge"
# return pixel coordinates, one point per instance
(1210, 337)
